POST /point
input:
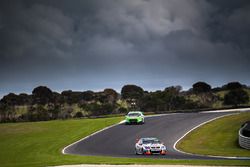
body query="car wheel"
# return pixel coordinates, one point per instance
(136, 153)
(163, 153)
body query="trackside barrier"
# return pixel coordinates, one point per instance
(244, 141)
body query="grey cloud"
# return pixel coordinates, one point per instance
(37, 27)
(230, 22)
(146, 19)
(237, 26)
(123, 41)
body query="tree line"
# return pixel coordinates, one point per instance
(44, 104)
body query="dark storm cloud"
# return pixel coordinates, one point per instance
(97, 44)
(231, 22)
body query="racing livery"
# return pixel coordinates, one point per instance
(150, 146)
(135, 117)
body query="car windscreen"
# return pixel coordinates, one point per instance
(153, 141)
(156, 142)
(134, 115)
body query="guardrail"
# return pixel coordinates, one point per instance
(244, 141)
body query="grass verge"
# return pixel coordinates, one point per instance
(40, 143)
(219, 137)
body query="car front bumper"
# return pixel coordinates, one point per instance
(133, 120)
(149, 152)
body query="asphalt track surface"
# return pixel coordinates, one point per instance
(119, 141)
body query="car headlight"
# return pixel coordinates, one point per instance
(163, 147)
(146, 148)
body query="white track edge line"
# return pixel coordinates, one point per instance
(123, 121)
(212, 156)
(227, 110)
(63, 150)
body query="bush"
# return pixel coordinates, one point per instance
(122, 110)
(36, 113)
(236, 97)
(78, 114)
(131, 92)
(232, 85)
(201, 87)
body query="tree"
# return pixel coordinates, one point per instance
(8, 104)
(3, 112)
(54, 109)
(236, 97)
(174, 90)
(111, 95)
(42, 95)
(37, 113)
(78, 114)
(71, 97)
(160, 100)
(96, 109)
(88, 95)
(25, 99)
(131, 92)
(232, 85)
(11, 99)
(201, 87)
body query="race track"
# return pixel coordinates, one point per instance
(119, 140)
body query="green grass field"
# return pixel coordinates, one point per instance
(219, 137)
(38, 144)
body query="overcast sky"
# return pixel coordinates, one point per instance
(97, 44)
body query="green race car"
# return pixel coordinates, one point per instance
(134, 117)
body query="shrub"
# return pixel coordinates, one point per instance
(78, 114)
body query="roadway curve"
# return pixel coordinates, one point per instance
(119, 140)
